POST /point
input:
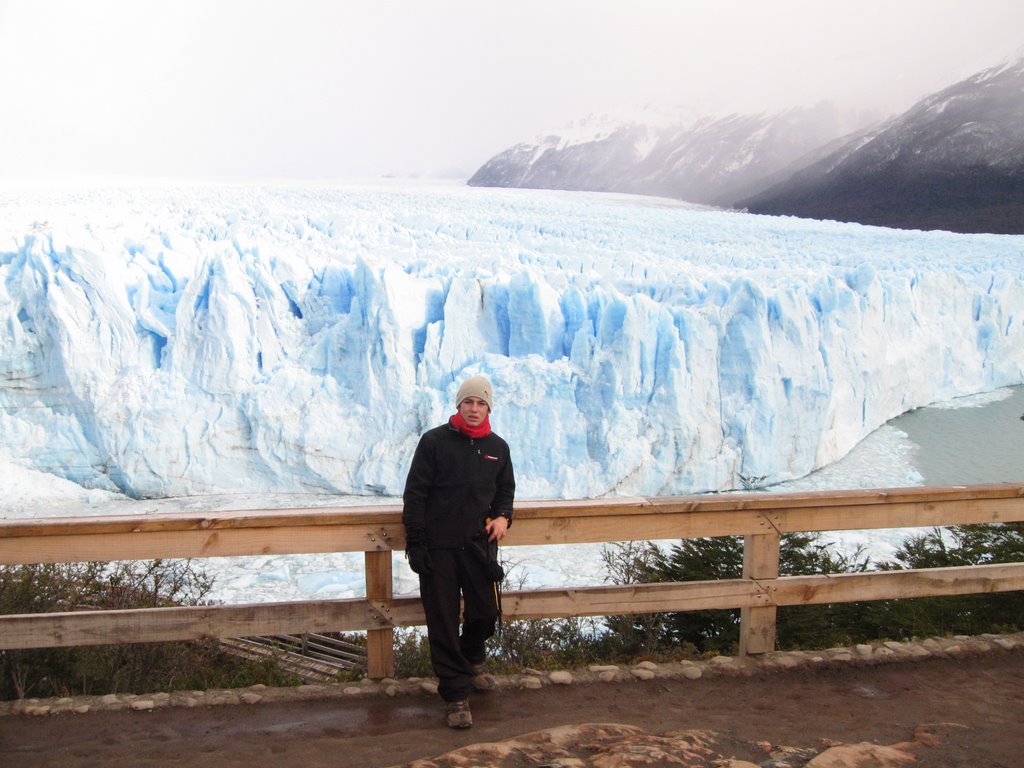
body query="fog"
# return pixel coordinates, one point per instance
(312, 89)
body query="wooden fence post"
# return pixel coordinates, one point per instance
(380, 655)
(760, 561)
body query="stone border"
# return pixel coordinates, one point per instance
(865, 654)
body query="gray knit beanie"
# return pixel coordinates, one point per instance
(476, 386)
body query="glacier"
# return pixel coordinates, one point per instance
(180, 340)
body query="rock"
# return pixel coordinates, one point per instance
(532, 683)
(598, 668)
(249, 697)
(352, 691)
(864, 649)
(608, 676)
(561, 677)
(693, 673)
(646, 665)
(428, 686)
(641, 673)
(862, 755)
(783, 757)
(142, 705)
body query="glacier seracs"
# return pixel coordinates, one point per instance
(183, 340)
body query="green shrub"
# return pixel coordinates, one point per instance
(130, 667)
(826, 625)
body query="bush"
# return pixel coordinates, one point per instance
(133, 667)
(412, 654)
(827, 625)
(960, 545)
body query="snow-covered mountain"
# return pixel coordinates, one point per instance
(710, 160)
(191, 340)
(953, 161)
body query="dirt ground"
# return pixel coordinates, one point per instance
(979, 701)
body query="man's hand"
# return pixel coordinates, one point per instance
(496, 528)
(419, 560)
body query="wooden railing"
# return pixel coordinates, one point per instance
(761, 518)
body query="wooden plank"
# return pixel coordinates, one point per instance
(847, 503)
(895, 585)
(760, 563)
(150, 545)
(149, 625)
(365, 516)
(631, 599)
(380, 528)
(193, 623)
(380, 658)
(66, 544)
(767, 501)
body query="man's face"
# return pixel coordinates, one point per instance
(474, 411)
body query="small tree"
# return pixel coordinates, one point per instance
(633, 562)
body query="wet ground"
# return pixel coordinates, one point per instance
(977, 704)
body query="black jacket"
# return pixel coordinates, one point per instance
(455, 482)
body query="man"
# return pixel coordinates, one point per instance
(457, 506)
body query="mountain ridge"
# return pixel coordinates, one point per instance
(954, 161)
(710, 160)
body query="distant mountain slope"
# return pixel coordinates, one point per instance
(954, 161)
(713, 161)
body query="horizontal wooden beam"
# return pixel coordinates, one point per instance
(152, 625)
(895, 585)
(379, 528)
(54, 630)
(371, 516)
(71, 547)
(744, 593)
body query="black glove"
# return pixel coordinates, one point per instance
(419, 560)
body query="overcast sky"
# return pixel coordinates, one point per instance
(316, 89)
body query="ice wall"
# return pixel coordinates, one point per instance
(177, 341)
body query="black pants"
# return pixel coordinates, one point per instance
(457, 573)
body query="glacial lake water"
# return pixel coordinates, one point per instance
(968, 445)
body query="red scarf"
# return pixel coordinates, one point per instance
(483, 429)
